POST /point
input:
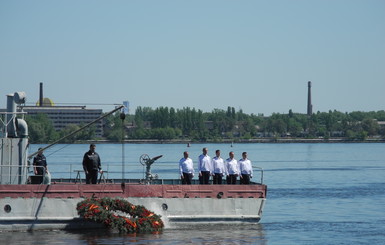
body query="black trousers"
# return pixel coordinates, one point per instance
(39, 179)
(217, 179)
(232, 179)
(204, 180)
(245, 180)
(92, 177)
(186, 180)
(40, 174)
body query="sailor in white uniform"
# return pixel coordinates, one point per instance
(245, 169)
(219, 168)
(205, 167)
(232, 170)
(186, 169)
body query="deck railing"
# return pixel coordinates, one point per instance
(73, 173)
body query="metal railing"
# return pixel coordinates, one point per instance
(261, 173)
(11, 174)
(112, 173)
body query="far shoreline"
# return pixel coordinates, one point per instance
(240, 141)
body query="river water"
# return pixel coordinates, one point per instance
(317, 194)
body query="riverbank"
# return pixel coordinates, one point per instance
(238, 141)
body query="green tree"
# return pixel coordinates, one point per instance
(85, 134)
(41, 129)
(113, 127)
(370, 126)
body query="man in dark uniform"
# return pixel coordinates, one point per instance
(91, 165)
(40, 165)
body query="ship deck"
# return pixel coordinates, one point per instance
(64, 188)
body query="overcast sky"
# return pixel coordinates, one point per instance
(252, 55)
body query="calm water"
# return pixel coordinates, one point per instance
(317, 194)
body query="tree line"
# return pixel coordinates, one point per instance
(164, 123)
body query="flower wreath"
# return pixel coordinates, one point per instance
(102, 211)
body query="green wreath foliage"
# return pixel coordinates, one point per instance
(103, 211)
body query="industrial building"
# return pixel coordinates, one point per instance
(62, 116)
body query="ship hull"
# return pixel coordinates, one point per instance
(47, 207)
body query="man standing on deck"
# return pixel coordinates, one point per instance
(186, 169)
(232, 170)
(205, 167)
(218, 168)
(92, 165)
(40, 165)
(245, 169)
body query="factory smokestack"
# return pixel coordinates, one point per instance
(41, 95)
(309, 105)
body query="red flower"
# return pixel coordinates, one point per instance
(100, 210)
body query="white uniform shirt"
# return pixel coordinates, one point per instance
(204, 163)
(219, 165)
(245, 167)
(186, 166)
(231, 166)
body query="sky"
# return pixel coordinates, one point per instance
(257, 56)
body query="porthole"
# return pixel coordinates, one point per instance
(219, 195)
(7, 208)
(164, 206)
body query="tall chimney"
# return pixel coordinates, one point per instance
(309, 105)
(41, 95)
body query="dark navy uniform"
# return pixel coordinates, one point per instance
(91, 166)
(40, 166)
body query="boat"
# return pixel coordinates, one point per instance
(26, 206)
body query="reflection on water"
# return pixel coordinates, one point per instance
(196, 234)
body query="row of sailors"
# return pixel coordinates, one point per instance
(216, 167)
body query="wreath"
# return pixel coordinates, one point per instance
(105, 211)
